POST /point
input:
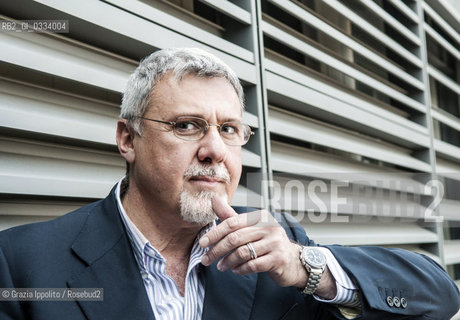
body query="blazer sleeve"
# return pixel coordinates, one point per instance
(382, 274)
(9, 310)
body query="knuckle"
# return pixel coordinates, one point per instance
(253, 217)
(279, 234)
(212, 234)
(233, 239)
(233, 222)
(242, 253)
(252, 266)
(211, 254)
(277, 273)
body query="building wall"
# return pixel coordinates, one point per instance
(355, 105)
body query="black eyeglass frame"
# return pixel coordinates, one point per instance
(247, 128)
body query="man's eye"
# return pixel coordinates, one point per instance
(187, 126)
(229, 129)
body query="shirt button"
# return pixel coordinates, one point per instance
(355, 297)
(396, 302)
(403, 303)
(144, 275)
(390, 301)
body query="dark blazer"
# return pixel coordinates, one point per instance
(89, 248)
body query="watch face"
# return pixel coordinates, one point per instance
(314, 257)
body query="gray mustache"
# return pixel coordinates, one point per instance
(214, 172)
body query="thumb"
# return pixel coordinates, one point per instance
(222, 209)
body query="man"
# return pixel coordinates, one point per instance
(153, 245)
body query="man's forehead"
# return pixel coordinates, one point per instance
(174, 79)
(165, 93)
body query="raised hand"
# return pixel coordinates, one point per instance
(232, 241)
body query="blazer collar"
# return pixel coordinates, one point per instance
(227, 295)
(103, 245)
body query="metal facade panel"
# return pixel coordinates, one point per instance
(447, 150)
(42, 208)
(404, 9)
(443, 42)
(408, 34)
(41, 110)
(345, 106)
(370, 233)
(298, 127)
(44, 169)
(365, 25)
(442, 22)
(294, 159)
(145, 10)
(446, 118)
(345, 68)
(64, 59)
(7, 222)
(247, 198)
(450, 209)
(230, 9)
(452, 251)
(335, 33)
(109, 17)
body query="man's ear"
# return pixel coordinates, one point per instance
(125, 140)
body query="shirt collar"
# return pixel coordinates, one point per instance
(140, 243)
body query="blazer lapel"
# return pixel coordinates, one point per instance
(104, 246)
(227, 295)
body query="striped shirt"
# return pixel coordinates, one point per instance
(347, 292)
(163, 293)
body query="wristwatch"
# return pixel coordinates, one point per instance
(315, 262)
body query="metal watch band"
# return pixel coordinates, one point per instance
(314, 262)
(313, 281)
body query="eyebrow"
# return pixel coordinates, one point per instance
(202, 117)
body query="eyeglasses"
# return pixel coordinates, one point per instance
(233, 133)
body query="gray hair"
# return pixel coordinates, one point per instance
(182, 62)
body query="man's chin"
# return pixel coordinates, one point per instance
(196, 207)
(194, 222)
(199, 220)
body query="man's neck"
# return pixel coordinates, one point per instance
(166, 231)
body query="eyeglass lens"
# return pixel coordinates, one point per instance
(193, 128)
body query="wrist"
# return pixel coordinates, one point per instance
(327, 288)
(302, 272)
(313, 260)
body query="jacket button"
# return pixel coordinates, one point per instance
(390, 301)
(403, 303)
(396, 302)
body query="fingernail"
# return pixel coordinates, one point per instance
(220, 267)
(205, 260)
(204, 241)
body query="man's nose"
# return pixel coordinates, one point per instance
(212, 146)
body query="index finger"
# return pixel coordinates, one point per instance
(232, 223)
(224, 212)
(222, 209)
